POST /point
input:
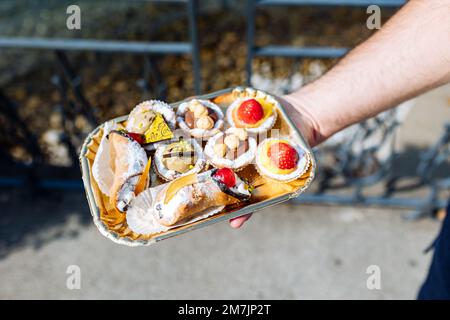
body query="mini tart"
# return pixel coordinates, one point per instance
(232, 149)
(269, 111)
(178, 158)
(200, 118)
(268, 168)
(145, 119)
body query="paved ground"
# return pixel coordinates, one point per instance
(296, 252)
(299, 252)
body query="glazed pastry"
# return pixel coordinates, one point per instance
(151, 121)
(232, 149)
(178, 158)
(128, 161)
(253, 110)
(281, 160)
(200, 118)
(189, 196)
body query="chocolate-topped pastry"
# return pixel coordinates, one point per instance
(200, 118)
(233, 148)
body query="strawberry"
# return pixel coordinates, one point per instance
(139, 138)
(226, 176)
(250, 111)
(282, 155)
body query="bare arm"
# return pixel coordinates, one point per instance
(408, 56)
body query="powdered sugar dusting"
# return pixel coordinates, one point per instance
(141, 215)
(101, 168)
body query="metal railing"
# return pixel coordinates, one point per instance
(68, 80)
(295, 51)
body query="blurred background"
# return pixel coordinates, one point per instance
(378, 198)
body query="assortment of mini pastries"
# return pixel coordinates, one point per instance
(164, 168)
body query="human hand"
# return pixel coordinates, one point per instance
(306, 126)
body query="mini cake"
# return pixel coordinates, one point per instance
(254, 111)
(200, 118)
(175, 159)
(233, 149)
(281, 160)
(151, 121)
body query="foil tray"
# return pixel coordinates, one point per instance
(112, 224)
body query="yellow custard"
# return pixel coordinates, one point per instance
(267, 108)
(266, 162)
(158, 130)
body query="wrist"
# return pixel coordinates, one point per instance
(301, 113)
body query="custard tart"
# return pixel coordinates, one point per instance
(281, 160)
(253, 110)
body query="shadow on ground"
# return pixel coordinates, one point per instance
(34, 219)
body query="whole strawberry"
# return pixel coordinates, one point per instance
(250, 111)
(226, 176)
(282, 155)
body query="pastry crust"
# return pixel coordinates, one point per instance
(247, 94)
(189, 202)
(236, 164)
(134, 119)
(300, 169)
(128, 160)
(198, 132)
(101, 169)
(168, 174)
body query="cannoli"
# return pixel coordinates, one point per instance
(101, 170)
(200, 118)
(187, 197)
(128, 161)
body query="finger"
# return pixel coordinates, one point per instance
(239, 221)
